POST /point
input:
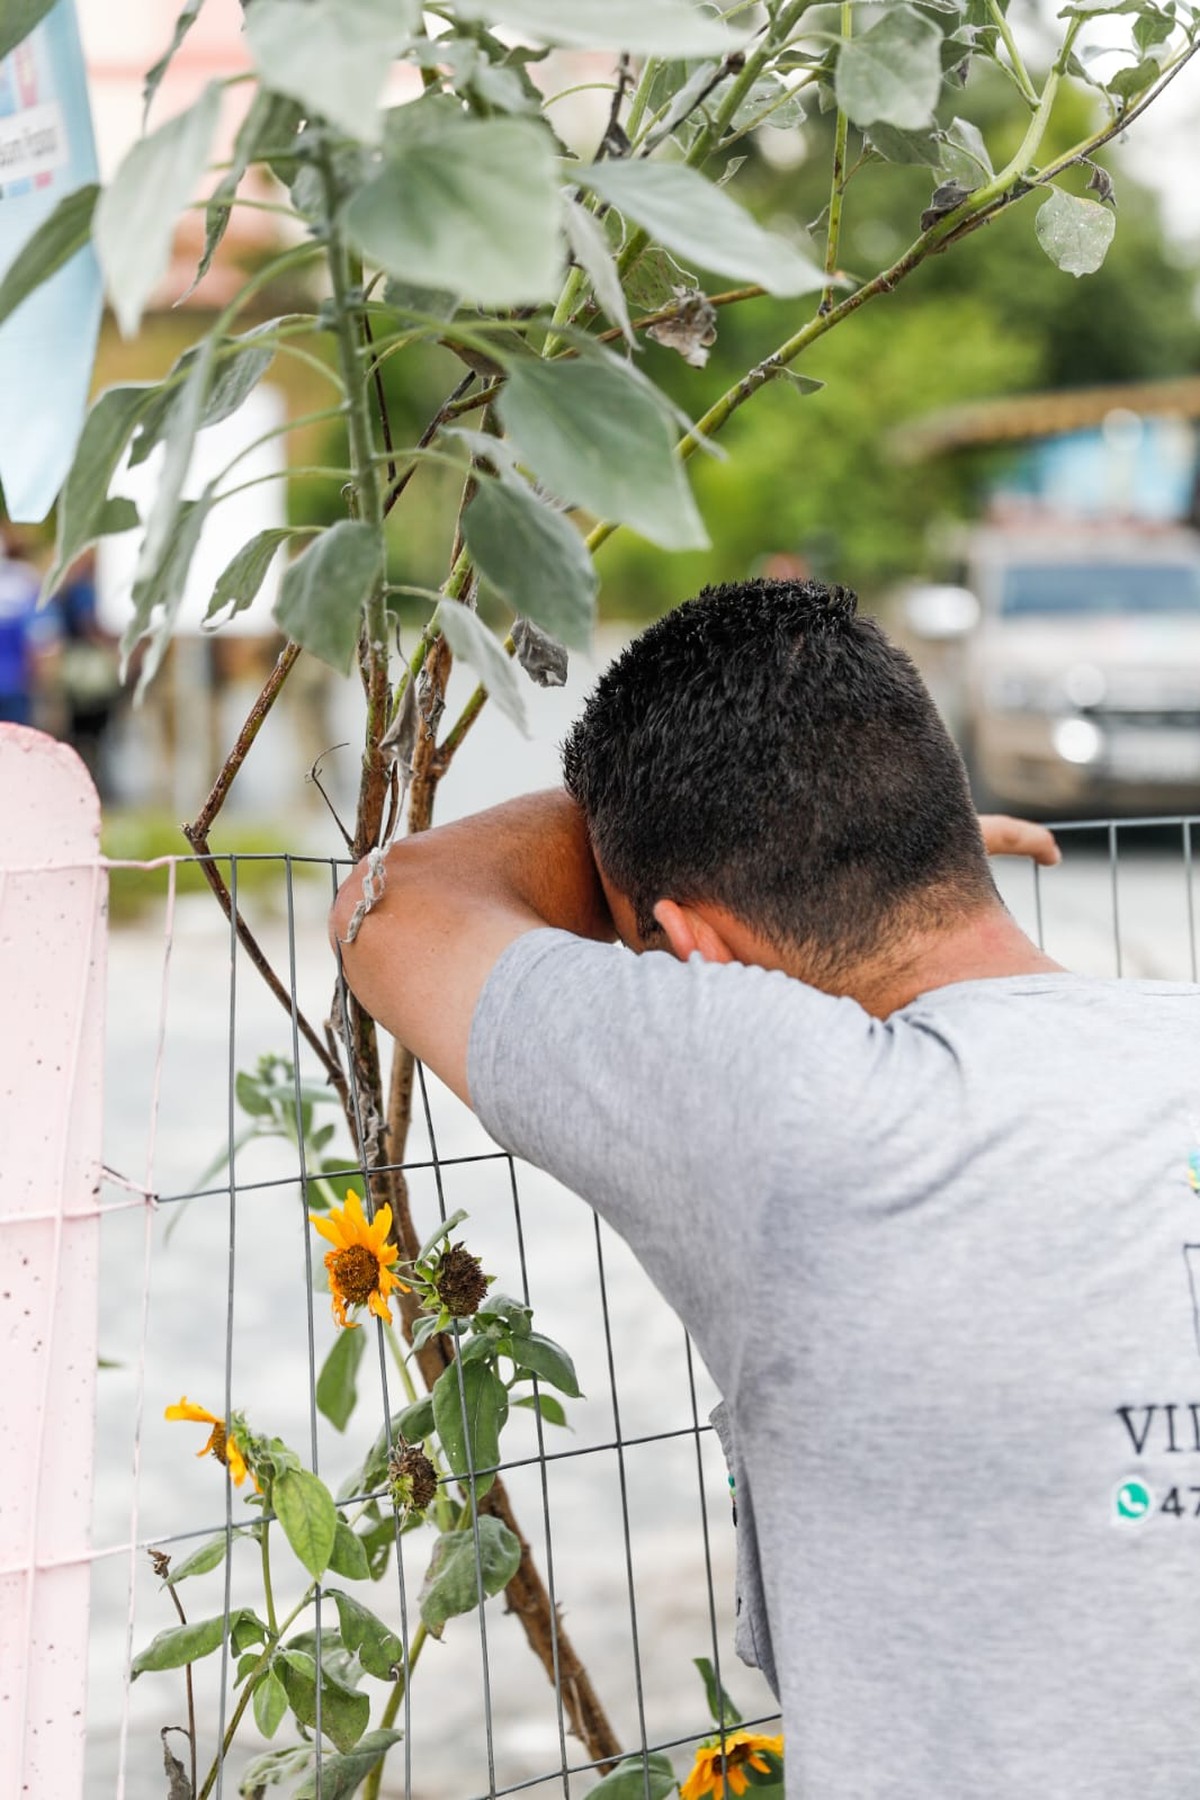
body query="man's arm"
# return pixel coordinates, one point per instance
(453, 900)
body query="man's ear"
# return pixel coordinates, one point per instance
(688, 931)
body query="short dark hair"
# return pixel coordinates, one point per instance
(766, 748)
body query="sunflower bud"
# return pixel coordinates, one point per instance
(412, 1478)
(460, 1281)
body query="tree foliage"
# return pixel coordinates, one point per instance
(460, 219)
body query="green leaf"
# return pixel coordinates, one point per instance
(246, 1629)
(919, 149)
(158, 596)
(550, 1409)
(416, 1421)
(161, 525)
(1133, 80)
(440, 1231)
(275, 1766)
(343, 1775)
(325, 591)
(380, 1651)
(892, 73)
(250, 1097)
(331, 55)
(451, 1584)
(596, 434)
(345, 1713)
(696, 219)
(271, 120)
(54, 242)
(547, 1360)
(767, 1783)
(473, 643)
(270, 1703)
(469, 206)
(186, 1643)
(183, 24)
(469, 1406)
(637, 1778)
(209, 1556)
(589, 247)
(304, 1507)
(1074, 233)
(348, 1557)
(533, 557)
(433, 303)
(673, 28)
(237, 366)
(723, 1711)
(17, 20)
(82, 503)
(965, 155)
(337, 1390)
(136, 214)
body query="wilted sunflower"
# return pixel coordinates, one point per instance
(222, 1443)
(361, 1261)
(717, 1764)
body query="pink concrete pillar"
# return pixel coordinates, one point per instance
(52, 960)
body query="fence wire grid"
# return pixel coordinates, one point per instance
(212, 1285)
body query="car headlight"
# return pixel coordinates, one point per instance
(1078, 740)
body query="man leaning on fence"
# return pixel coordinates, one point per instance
(921, 1196)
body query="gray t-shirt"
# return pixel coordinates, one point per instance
(945, 1270)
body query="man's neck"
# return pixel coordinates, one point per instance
(987, 946)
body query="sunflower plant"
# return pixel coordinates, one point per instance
(432, 1466)
(733, 1760)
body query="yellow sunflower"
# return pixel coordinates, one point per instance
(361, 1261)
(222, 1442)
(718, 1764)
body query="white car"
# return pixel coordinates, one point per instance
(1069, 668)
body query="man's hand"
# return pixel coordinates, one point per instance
(1003, 836)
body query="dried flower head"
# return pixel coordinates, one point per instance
(411, 1477)
(720, 1765)
(222, 1443)
(361, 1262)
(460, 1281)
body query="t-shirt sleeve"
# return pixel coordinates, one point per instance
(679, 1099)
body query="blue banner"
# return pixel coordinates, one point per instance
(48, 346)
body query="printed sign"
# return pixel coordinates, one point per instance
(48, 345)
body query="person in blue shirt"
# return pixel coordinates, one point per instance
(28, 637)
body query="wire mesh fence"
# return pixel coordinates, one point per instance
(211, 1287)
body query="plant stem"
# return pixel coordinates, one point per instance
(248, 1687)
(710, 135)
(197, 836)
(345, 275)
(837, 182)
(268, 1592)
(191, 1695)
(1014, 55)
(401, 1362)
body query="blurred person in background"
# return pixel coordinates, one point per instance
(89, 670)
(30, 640)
